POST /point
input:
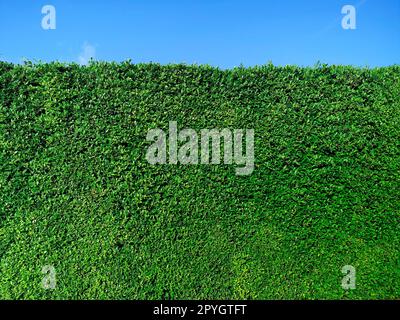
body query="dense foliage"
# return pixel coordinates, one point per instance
(77, 193)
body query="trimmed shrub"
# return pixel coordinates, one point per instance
(77, 193)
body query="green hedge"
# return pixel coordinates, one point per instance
(77, 193)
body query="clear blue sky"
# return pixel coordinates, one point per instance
(224, 33)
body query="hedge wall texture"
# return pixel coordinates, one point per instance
(77, 194)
